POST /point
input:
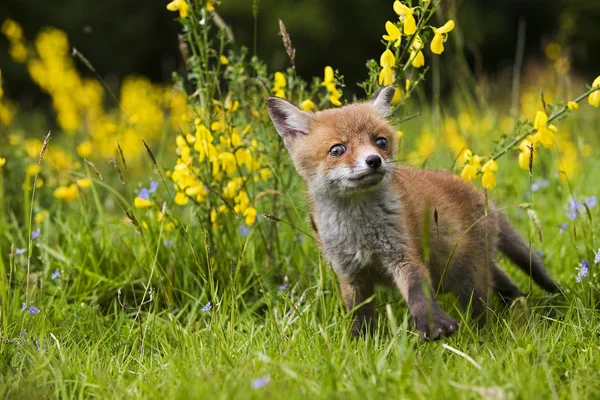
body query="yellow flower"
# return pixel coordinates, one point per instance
(179, 5)
(473, 163)
(328, 78)
(41, 216)
(66, 193)
(279, 84)
(265, 173)
(181, 199)
(387, 59)
(397, 96)
(84, 183)
(2, 161)
(329, 83)
(228, 162)
(18, 52)
(418, 60)
(386, 77)
(85, 149)
(488, 180)
(33, 170)
(410, 25)
(437, 44)
(334, 97)
(594, 97)
(393, 33)
(307, 105)
(527, 148)
(250, 215)
(546, 134)
(12, 30)
(224, 60)
(572, 105)
(399, 134)
(138, 202)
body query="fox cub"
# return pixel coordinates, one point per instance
(419, 231)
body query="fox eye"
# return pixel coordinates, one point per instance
(381, 143)
(337, 150)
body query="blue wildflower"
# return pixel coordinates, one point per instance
(35, 234)
(37, 345)
(168, 243)
(144, 194)
(260, 382)
(540, 184)
(564, 227)
(573, 209)
(55, 274)
(33, 310)
(207, 307)
(597, 258)
(244, 230)
(20, 251)
(153, 186)
(584, 267)
(591, 201)
(23, 307)
(22, 334)
(284, 286)
(175, 311)
(539, 253)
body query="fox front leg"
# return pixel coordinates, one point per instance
(412, 279)
(355, 292)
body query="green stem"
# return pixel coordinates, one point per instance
(531, 131)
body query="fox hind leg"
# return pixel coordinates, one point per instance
(503, 286)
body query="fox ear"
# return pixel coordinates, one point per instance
(382, 100)
(290, 121)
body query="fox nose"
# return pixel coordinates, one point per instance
(373, 161)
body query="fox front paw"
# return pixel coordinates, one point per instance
(433, 326)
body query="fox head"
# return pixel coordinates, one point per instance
(341, 151)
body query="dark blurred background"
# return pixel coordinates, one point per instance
(122, 37)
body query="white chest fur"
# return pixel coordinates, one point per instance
(360, 233)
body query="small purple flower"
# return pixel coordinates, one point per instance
(23, 307)
(539, 254)
(564, 227)
(175, 311)
(144, 194)
(153, 186)
(22, 334)
(168, 243)
(244, 231)
(597, 257)
(20, 251)
(591, 201)
(33, 310)
(35, 234)
(572, 209)
(284, 287)
(584, 266)
(260, 382)
(207, 307)
(542, 183)
(55, 274)
(37, 345)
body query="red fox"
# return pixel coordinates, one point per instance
(371, 218)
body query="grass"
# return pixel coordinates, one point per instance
(94, 342)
